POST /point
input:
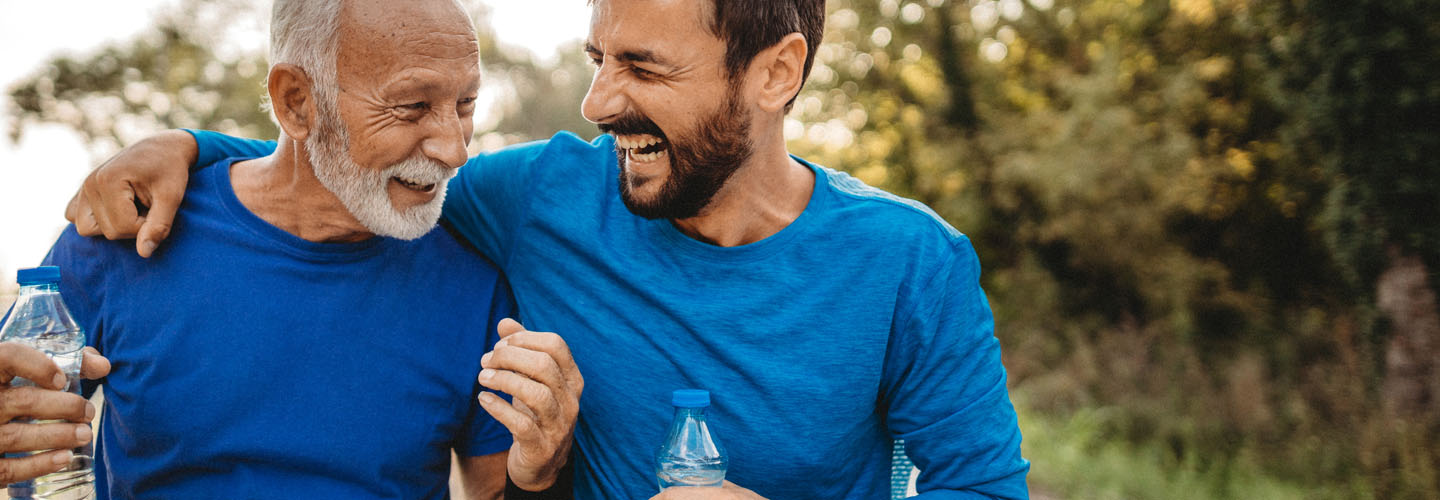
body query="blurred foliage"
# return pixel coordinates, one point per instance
(1185, 209)
(174, 75)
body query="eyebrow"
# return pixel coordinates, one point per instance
(634, 56)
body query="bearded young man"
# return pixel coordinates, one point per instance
(687, 248)
(306, 333)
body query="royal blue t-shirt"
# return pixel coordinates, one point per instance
(861, 322)
(250, 363)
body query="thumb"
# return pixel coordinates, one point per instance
(72, 209)
(508, 327)
(155, 226)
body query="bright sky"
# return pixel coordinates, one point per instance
(40, 172)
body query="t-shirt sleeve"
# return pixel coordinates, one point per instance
(487, 200)
(483, 435)
(945, 389)
(82, 285)
(212, 147)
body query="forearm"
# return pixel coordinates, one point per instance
(483, 477)
(210, 147)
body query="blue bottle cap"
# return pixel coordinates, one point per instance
(38, 275)
(690, 398)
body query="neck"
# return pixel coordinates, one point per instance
(763, 197)
(282, 189)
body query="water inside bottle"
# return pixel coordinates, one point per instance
(691, 473)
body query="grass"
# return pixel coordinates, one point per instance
(1071, 457)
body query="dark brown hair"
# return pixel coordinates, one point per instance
(750, 26)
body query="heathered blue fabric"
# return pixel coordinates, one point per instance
(861, 322)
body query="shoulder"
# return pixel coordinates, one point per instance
(900, 223)
(446, 247)
(80, 252)
(562, 150)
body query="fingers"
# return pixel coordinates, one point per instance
(17, 360)
(539, 398)
(79, 207)
(93, 365)
(24, 437)
(508, 327)
(164, 201)
(550, 344)
(116, 213)
(14, 470)
(72, 208)
(518, 423)
(529, 364)
(43, 404)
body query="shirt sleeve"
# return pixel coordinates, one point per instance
(945, 392)
(483, 435)
(211, 147)
(488, 199)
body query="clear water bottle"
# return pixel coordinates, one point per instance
(690, 455)
(39, 319)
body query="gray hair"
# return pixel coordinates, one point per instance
(306, 33)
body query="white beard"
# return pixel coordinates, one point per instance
(363, 190)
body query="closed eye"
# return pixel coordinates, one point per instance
(412, 111)
(643, 73)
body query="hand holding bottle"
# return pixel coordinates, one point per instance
(48, 400)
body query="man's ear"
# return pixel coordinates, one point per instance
(779, 72)
(291, 100)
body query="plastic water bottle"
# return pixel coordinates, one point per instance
(690, 455)
(40, 320)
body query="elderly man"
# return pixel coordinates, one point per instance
(687, 248)
(307, 334)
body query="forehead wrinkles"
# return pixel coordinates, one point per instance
(380, 31)
(410, 41)
(383, 54)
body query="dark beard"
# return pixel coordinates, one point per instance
(699, 164)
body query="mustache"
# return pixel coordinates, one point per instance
(420, 168)
(631, 124)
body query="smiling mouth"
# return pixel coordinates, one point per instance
(642, 148)
(415, 185)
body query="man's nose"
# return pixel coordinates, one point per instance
(604, 101)
(445, 140)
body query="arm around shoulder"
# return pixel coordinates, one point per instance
(136, 193)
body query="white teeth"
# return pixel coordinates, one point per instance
(635, 142)
(414, 183)
(648, 157)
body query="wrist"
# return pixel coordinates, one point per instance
(555, 490)
(181, 143)
(556, 483)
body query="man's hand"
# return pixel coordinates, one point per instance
(537, 371)
(727, 491)
(113, 200)
(47, 401)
